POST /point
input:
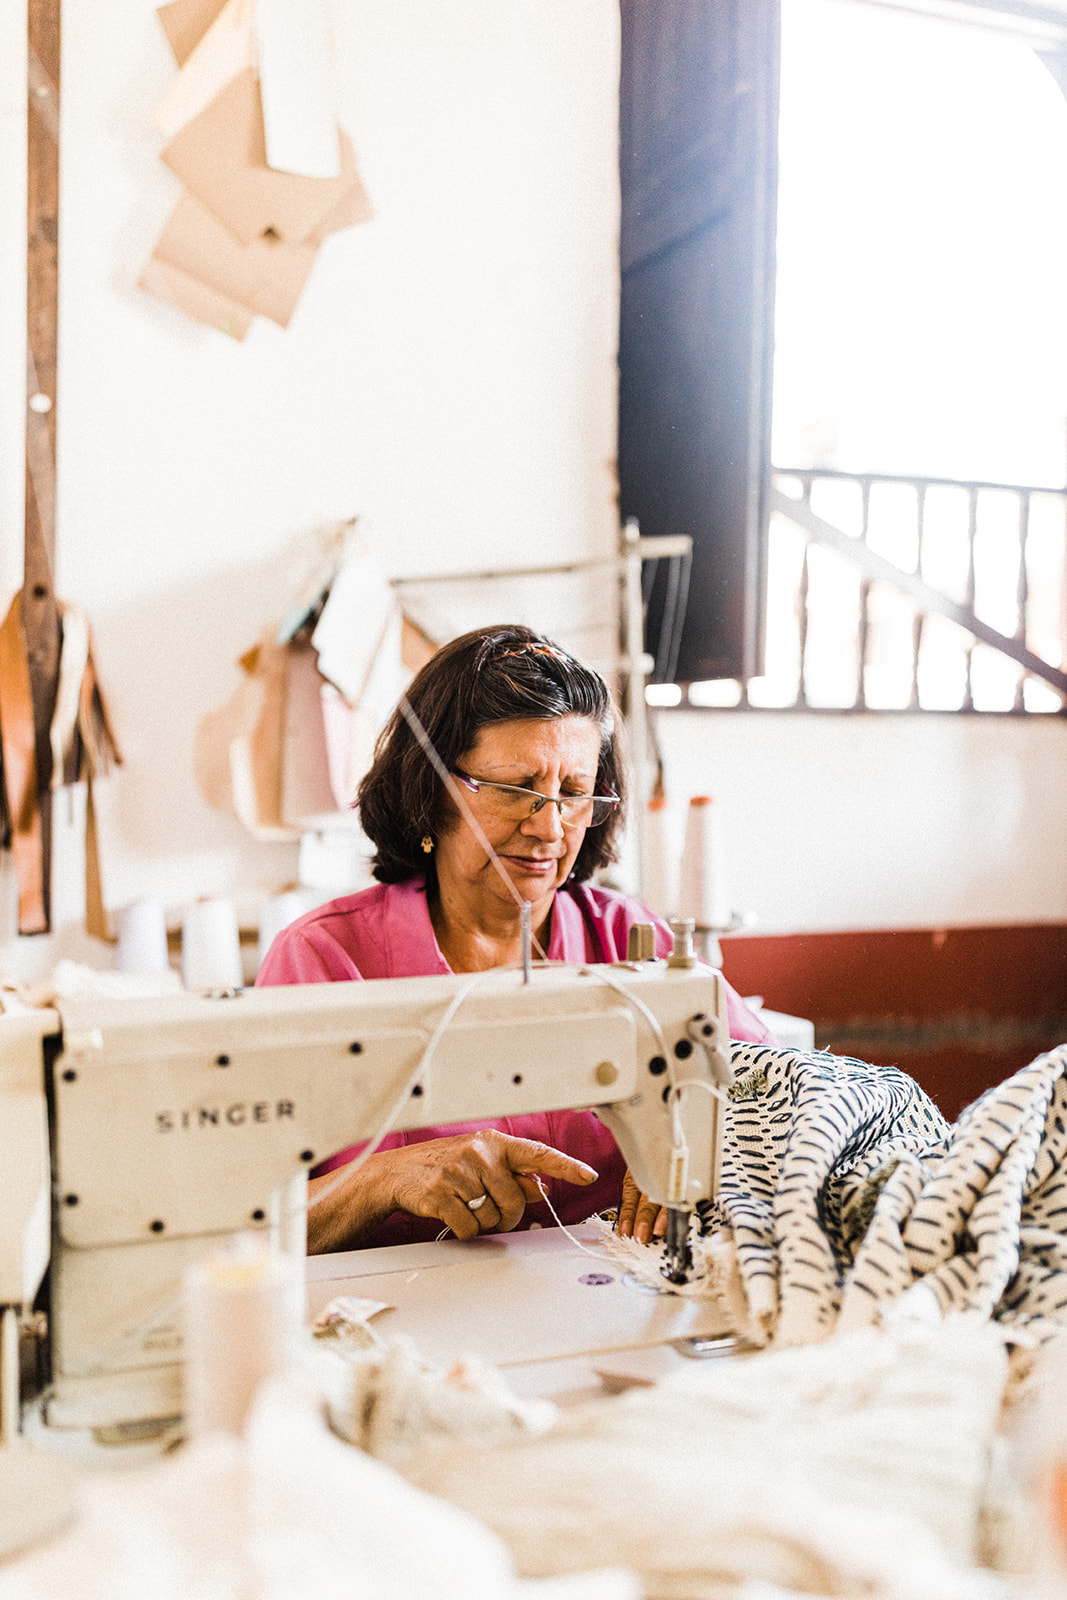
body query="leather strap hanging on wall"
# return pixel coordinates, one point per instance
(21, 788)
(82, 747)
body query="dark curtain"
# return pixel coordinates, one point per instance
(698, 158)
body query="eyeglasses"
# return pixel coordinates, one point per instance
(509, 803)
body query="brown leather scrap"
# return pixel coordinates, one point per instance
(98, 753)
(21, 799)
(84, 748)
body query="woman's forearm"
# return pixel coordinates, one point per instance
(353, 1209)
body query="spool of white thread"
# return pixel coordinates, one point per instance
(660, 888)
(702, 892)
(211, 948)
(277, 913)
(143, 938)
(243, 1310)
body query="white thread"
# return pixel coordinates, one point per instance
(599, 976)
(596, 1254)
(460, 801)
(606, 977)
(701, 1083)
(421, 1070)
(584, 1248)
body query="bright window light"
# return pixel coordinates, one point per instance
(922, 249)
(921, 332)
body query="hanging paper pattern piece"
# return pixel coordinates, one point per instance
(287, 751)
(252, 133)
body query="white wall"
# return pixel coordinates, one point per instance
(449, 376)
(836, 822)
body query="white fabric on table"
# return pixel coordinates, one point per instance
(287, 1513)
(853, 1467)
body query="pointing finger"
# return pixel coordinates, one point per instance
(527, 1156)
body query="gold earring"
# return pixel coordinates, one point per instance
(427, 844)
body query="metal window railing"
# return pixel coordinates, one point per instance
(910, 594)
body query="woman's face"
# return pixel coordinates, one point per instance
(556, 756)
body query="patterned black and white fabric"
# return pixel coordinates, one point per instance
(845, 1189)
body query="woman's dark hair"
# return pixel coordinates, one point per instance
(500, 674)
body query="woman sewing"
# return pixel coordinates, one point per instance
(529, 738)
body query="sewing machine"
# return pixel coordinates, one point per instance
(138, 1134)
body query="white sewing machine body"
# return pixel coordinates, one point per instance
(140, 1133)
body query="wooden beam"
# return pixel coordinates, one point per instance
(40, 612)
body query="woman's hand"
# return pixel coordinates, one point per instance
(639, 1217)
(438, 1178)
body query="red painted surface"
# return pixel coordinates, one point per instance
(957, 1008)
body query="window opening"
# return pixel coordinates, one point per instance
(917, 540)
